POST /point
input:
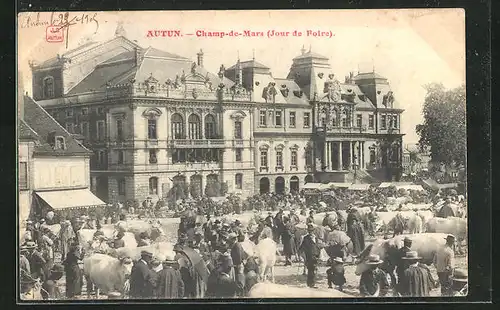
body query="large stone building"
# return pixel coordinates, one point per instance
(154, 119)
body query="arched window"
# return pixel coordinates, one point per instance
(210, 127)
(194, 129)
(48, 87)
(177, 126)
(121, 186)
(153, 186)
(238, 181)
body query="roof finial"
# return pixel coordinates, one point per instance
(120, 31)
(303, 49)
(253, 54)
(373, 66)
(310, 47)
(238, 55)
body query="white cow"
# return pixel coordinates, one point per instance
(265, 251)
(451, 225)
(107, 273)
(86, 237)
(159, 251)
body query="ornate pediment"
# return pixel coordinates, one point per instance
(238, 115)
(264, 147)
(152, 113)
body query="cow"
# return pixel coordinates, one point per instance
(271, 290)
(265, 251)
(86, 237)
(415, 225)
(159, 250)
(426, 245)
(106, 273)
(452, 225)
(386, 220)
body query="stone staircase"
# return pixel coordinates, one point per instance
(362, 177)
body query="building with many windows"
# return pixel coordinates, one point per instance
(154, 119)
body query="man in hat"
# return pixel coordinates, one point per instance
(141, 278)
(310, 247)
(118, 242)
(446, 210)
(26, 280)
(417, 280)
(459, 282)
(50, 288)
(288, 239)
(170, 284)
(328, 221)
(373, 281)
(444, 262)
(336, 273)
(401, 263)
(355, 231)
(294, 218)
(65, 234)
(278, 225)
(238, 255)
(310, 218)
(224, 285)
(36, 261)
(269, 219)
(73, 274)
(143, 240)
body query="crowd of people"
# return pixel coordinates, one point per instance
(209, 258)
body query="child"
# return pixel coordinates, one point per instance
(336, 273)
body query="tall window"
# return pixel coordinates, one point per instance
(48, 87)
(238, 180)
(345, 119)
(372, 157)
(359, 120)
(119, 129)
(293, 158)
(279, 159)
(194, 128)
(177, 126)
(395, 121)
(263, 158)
(85, 130)
(70, 127)
(262, 118)
(100, 130)
(153, 186)
(152, 130)
(371, 121)
(23, 175)
(121, 186)
(322, 120)
(390, 119)
(309, 157)
(238, 153)
(307, 119)
(120, 156)
(238, 134)
(383, 122)
(152, 157)
(292, 119)
(210, 128)
(60, 143)
(178, 156)
(278, 118)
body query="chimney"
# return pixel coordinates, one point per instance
(138, 56)
(200, 58)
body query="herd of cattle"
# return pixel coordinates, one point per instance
(109, 272)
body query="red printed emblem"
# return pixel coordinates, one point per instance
(54, 34)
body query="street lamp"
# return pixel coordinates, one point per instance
(355, 167)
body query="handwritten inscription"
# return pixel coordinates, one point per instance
(61, 21)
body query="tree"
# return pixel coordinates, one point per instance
(414, 159)
(444, 130)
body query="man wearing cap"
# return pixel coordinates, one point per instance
(417, 280)
(238, 255)
(444, 262)
(310, 247)
(170, 284)
(373, 281)
(141, 278)
(401, 263)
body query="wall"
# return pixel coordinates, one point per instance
(25, 152)
(61, 172)
(39, 76)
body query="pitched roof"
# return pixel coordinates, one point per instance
(43, 125)
(249, 64)
(311, 54)
(292, 86)
(154, 52)
(25, 132)
(368, 76)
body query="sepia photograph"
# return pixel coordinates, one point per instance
(167, 155)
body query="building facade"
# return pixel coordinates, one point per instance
(54, 168)
(155, 119)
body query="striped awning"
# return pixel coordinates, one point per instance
(70, 199)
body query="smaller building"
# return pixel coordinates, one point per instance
(54, 172)
(415, 160)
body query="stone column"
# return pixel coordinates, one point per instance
(328, 156)
(359, 154)
(202, 129)
(350, 154)
(363, 155)
(340, 166)
(325, 155)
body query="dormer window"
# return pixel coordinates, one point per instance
(48, 87)
(69, 113)
(60, 143)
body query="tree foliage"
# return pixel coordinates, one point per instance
(444, 129)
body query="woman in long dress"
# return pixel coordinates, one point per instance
(73, 273)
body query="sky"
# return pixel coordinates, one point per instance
(411, 48)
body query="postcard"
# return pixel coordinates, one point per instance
(241, 154)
